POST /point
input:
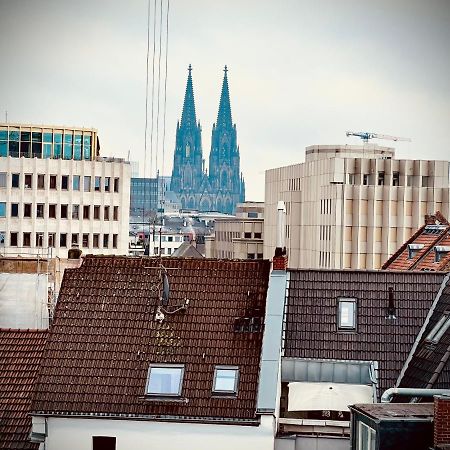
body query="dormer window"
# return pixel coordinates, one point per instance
(347, 314)
(165, 379)
(413, 250)
(440, 251)
(435, 335)
(226, 380)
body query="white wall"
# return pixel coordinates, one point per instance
(76, 434)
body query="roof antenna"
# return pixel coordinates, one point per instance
(166, 288)
(391, 307)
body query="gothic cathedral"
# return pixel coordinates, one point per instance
(223, 187)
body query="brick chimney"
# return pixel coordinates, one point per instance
(279, 261)
(441, 422)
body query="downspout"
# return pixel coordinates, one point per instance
(413, 392)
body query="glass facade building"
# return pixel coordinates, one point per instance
(48, 142)
(143, 196)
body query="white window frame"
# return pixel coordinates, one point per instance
(165, 366)
(233, 391)
(343, 301)
(443, 324)
(368, 444)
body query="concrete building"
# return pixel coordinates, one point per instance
(56, 192)
(352, 206)
(239, 237)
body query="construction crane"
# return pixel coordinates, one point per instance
(365, 136)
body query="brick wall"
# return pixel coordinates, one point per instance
(279, 262)
(442, 422)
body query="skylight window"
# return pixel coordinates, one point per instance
(439, 329)
(440, 251)
(165, 379)
(225, 380)
(413, 250)
(347, 314)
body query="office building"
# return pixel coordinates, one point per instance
(56, 192)
(352, 206)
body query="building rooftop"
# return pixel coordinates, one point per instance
(396, 411)
(380, 335)
(106, 334)
(20, 355)
(427, 249)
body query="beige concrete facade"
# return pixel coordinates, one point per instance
(49, 205)
(351, 206)
(241, 237)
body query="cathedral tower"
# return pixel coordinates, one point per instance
(225, 178)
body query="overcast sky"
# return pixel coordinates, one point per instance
(300, 73)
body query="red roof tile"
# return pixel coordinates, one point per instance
(20, 355)
(104, 337)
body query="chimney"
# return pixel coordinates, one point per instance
(279, 261)
(441, 422)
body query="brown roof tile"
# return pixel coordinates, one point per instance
(104, 337)
(20, 355)
(311, 316)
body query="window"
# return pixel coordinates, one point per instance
(365, 179)
(259, 256)
(26, 240)
(27, 210)
(76, 182)
(396, 179)
(366, 437)
(257, 235)
(347, 314)
(107, 183)
(413, 250)
(225, 380)
(64, 211)
(51, 239)
(39, 239)
(85, 240)
(165, 379)
(440, 251)
(75, 211)
(380, 178)
(250, 256)
(247, 235)
(2, 209)
(105, 240)
(41, 181)
(74, 240)
(13, 238)
(103, 443)
(40, 210)
(95, 240)
(65, 182)
(116, 185)
(434, 336)
(28, 181)
(14, 210)
(114, 240)
(52, 211)
(87, 184)
(52, 181)
(96, 212)
(2, 179)
(15, 178)
(116, 213)
(86, 211)
(106, 213)
(252, 215)
(63, 240)
(97, 182)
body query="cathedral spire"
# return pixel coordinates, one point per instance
(188, 118)
(224, 114)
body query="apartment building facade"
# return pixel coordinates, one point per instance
(352, 206)
(239, 237)
(56, 192)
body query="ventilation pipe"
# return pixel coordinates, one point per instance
(412, 392)
(281, 219)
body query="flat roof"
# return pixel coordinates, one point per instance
(394, 411)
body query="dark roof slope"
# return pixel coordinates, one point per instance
(187, 250)
(311, 316)
(104, 337)
(20, 356)
(428, 364)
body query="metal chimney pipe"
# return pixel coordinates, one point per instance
(413, 392)
(281, 217)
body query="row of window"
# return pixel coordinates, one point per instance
(167, 380)
(78, 211)
(44, 181)
(229, 235)
(440, 251)
(63, 240)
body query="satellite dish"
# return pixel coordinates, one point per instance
(165, 289)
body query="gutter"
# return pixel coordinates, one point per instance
(413, 392)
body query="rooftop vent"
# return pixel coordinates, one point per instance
(391, 313)
(434, 229)
(413, 249)
(440, 251)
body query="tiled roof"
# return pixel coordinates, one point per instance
(311, 316)
(435, 232)
(104, 337)
(428, 364)
(20, 355)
